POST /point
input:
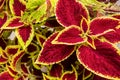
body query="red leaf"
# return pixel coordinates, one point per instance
(113, 36)
(116, 16)
(3, 60)
(102, 25)
(84, 25)
(13, 23)
(16, 58)
(11, 71)
(70, 12)
(5, 76)
(3, 19)
(12, 49)
(48, 53)
(56, 70)
(71, 35)
(17, 7)
(103, 61)
(24, 69)
(25, 35)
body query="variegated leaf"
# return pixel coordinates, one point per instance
(102, 25)
(48, 53)
(103, 61)
(25, 35)
(71, 35)
(13, 23)
(71, 12)
(17, 7)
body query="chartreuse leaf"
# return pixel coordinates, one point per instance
(6, 76)
(33, 4)
(25, 35)
(17, 7)
(48, 53)
(103, 61)
(70, 75)
(38, 14)
(71, 12)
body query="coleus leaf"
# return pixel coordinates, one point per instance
(16, 58)
(3, 19)
(41, 39)
(101, 25)
(84, 25)
(48, 53)
(3, 53)
(112, 36)
(71, 12)
(3, 60)
(103, 61)
(70, 75)
(56, 70)
(116, 16)
(17, 7)
(11, 71)
(24, 69)
(33, 4)
(6, 76)
(90, 41)
(39, 14)
(71, 35)
(25, 35)
(12, 49)
(13, 23)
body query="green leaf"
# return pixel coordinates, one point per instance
(38, 15)
(32, 4)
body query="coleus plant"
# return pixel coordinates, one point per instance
(68, 44)
(91, 39)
